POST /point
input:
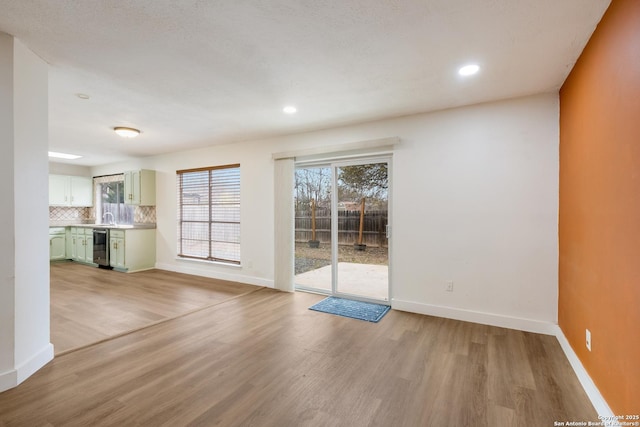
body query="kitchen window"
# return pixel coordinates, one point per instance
(111, 208)
(209, 213)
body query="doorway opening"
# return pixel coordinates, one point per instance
(341, 228)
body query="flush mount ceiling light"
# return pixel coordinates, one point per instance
(82, 96)
(289, 109)
(469, 70)
(126, 132)
(63, 155)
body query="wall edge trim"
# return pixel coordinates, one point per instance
(8, 380)
(596, 398)
(13, 378)
(206, 272)
(499, 320)
(34, 363)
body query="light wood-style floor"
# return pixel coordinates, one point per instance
(264, 359)
(90, 304)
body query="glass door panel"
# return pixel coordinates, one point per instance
(312, 201)
(361, 245)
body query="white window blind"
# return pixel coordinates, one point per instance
(209, 213)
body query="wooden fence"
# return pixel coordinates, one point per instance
(374, 228)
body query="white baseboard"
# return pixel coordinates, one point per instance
(518, 323)
(197, 270)
(8, 379)
(598, 402)
(23, 371)
(35, 362)
(521, 324)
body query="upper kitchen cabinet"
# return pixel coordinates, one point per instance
(59, 190)
(140, 187)
(70, 190)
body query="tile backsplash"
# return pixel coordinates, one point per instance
(141, 214)
(63, 213)
(144, 215)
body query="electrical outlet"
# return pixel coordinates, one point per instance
(588, 339)
(449, 286)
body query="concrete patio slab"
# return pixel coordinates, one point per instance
(366, 280)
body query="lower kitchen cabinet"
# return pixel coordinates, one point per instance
(57, 244)
(81, 244)
(132, 250)
(85, 253)
(116, 249)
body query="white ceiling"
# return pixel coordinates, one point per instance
(192, 73)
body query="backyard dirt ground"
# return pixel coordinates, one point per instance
(308, 259)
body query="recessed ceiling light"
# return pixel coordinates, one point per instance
(82, 96)
(289, 109)
(63, 155)
(126, 132)
(469, 70)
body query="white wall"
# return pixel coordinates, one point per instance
(56, 168)
(484, 200)
(475, 200)
(32, 211)
(7, 321)
(24, 287)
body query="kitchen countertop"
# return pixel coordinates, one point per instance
(137, 226)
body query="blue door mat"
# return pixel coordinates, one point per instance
(353, 309)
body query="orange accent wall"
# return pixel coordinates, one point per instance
(599, 219)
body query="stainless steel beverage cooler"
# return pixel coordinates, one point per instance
(101, 247)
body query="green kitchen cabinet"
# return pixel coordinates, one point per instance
(59, 190)
(73, 236)
(70, 191)
(82, 244)
(81, 191)
(140, 187)
(132, 250)
(57, 244)
(117, 249)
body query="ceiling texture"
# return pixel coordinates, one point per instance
(195, 73)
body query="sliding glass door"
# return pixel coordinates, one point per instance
(341, 228)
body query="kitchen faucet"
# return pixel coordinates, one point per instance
(112, 222)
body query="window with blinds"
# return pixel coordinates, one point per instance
(209, 213)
